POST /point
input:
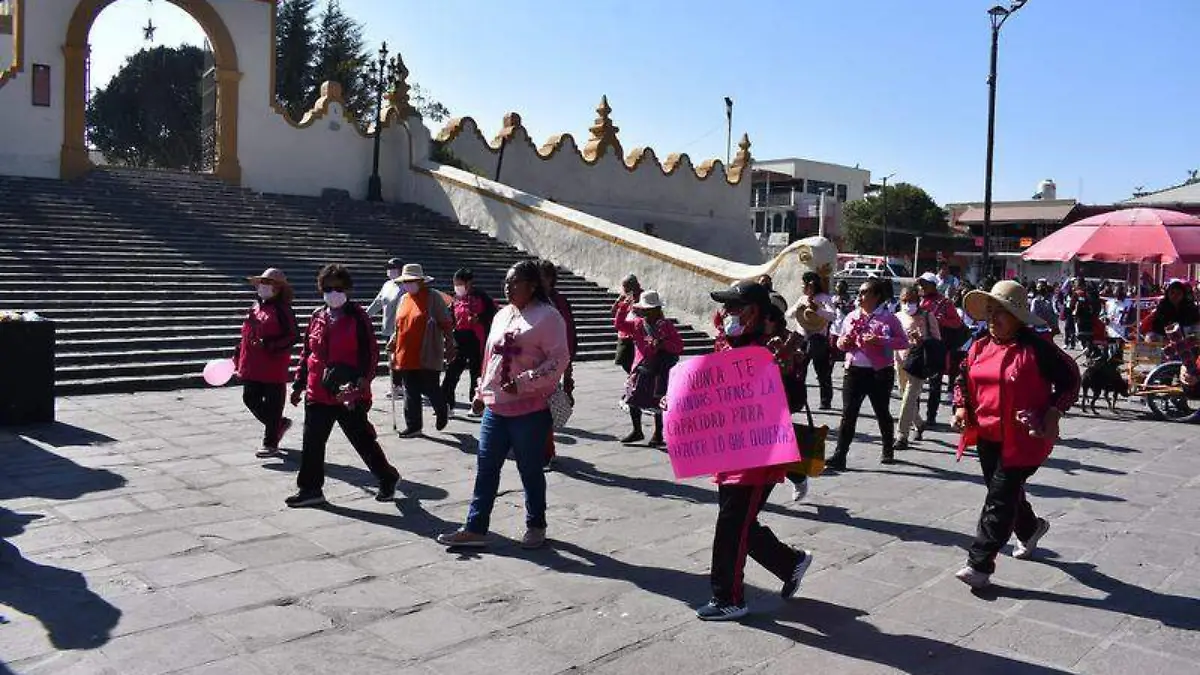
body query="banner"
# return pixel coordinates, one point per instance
(728, 412)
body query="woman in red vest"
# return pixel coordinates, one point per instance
(264, 354)
(1013, 388)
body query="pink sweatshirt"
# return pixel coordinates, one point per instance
(530, 348)
(879, 354)
(666, 336)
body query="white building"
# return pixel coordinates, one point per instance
(785, 202)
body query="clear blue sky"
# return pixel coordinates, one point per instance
(1093, 93)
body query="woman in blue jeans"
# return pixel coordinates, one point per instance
(526, 355)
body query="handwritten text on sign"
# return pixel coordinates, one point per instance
(728, 412)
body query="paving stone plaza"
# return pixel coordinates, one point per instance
(142, 536)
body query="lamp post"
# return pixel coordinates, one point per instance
(998, 16)
(885, 222)
(385, 74)
(728, 130)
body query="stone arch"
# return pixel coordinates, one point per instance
(74, 159)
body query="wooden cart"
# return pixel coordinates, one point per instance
(1158, 381)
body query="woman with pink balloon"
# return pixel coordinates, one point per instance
(264, 354)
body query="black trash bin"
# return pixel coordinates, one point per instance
(26, 372)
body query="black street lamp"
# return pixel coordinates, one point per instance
(384, 76)
(998, 16)
(885, 222)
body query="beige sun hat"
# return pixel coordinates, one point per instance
(271, 274)
(1009, 295)
(413, 272)
(650, 300)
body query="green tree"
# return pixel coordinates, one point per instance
(295, 56)
(342, 58)
(149, 114)
(911, 212)
(425, 104)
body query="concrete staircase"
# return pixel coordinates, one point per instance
(143, 271)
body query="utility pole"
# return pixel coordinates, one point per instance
(885, 222)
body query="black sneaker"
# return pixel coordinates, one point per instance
(792, 585)
(410, 433)
(305, 498)
(887, 458)
(720, 611)
(443, 418)
(387, 491)
(633, 437)
(836, 464)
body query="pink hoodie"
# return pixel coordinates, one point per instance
(529, 347)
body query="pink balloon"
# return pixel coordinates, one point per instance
(219, 372)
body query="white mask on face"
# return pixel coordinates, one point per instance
(733, 326)
(460, 291)
(412, 286)
(911, 308)
(335, 299)
(393, 275)
(265, 291)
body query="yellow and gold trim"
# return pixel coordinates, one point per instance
(603, 139)
(15, 25)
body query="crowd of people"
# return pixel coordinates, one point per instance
(991, 350)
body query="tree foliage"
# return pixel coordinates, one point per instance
(295, 56)
(342, 58)
(910, 210)
(149, 115)
(311, 49)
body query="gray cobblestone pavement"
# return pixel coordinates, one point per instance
(142, 536)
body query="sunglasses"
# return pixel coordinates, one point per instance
(332, 289)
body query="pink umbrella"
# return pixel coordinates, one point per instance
(1124, 236)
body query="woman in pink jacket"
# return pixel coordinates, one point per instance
(264, 354)
(656, 349)
(526, 354)
(870, 336)
(1013, 388)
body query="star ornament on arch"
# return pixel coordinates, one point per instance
(148, 30)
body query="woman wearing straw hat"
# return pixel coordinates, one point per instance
(264, 354)
(657, 346)
(1013, 388)
(423, 341)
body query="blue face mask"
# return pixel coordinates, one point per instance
(733, 325)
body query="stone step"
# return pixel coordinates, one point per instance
(144, 271)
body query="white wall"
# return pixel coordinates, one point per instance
(602, 251)
(31, 137)
(705, 213)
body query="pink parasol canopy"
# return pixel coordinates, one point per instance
(1124, 236)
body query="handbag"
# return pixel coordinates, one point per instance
(337, 376)
(927, 359)
(811, 441)
(560, 407)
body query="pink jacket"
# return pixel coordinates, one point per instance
(666, 336)
(879, 354)
(530, 348)
(265, 351)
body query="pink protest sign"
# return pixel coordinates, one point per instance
(727, 412)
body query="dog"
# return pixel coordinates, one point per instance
(1102, 377)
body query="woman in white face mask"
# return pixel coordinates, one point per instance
(334, 379)
(911, 370)
(264, 354)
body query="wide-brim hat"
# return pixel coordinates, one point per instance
(414, 272)
(1009, 295)
(272, 275)
(649, 300)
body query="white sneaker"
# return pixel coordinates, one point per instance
(1024, 549)
(799, 491)
(973, 577)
